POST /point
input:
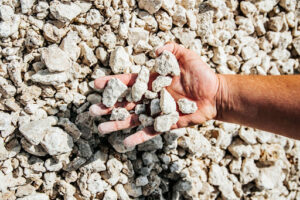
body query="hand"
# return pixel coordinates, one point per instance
(196, 82)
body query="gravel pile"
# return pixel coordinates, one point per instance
(52, 51)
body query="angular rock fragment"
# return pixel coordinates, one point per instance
(6, 88)
(55, 59)
(35, 131)
(151, 6)
(119, 60)
(167, 103)
(56, 141)
(141, 84)
(186, 106)
(48, 78)
(70, 127)
(64, 12)
(146, 120)
(161, 82)
(167, 64)
(113, 90)
(163, 123)
(36, 150)
(119, 114)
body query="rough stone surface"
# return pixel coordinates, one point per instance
(160, 82)
(166, 64)
(167, 103)
(113, 90)
(55, 59)
(119, 60)
(187, 106)
(119, 114)
(163, 123)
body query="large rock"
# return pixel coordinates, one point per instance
(113, 90)
(47, 78)
(166, 64)
(35, 131)
(55, 59)
(119, 60)
(56, 141)
(152, 6)
(64, 12)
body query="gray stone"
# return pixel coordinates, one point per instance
(163, 123)
(113, 90)
(166, 64)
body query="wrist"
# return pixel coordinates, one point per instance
(222, 97)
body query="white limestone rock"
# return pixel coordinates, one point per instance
(113, 90)
(6, 12)
(186, 106)
(152, 6)
(96, 162)
(26, 5)
(141, 84)
(110, 195)
(89, 57)
(119, 60)
(163, 123)
(161, 82)
(47, 78)
(119, 114)
(10, 27)
(55, 59)
(249, 171)
(167, 103)
(64, 12)
(35, 131)
(95, 184)
(56, 141)
(136, 35)
(167, 64)
(122, 194)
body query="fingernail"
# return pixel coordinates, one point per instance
(95, 110)
(105, 128)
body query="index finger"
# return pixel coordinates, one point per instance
(127, 79)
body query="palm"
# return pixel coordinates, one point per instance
(196, 82)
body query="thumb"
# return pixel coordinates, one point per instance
(178, 50)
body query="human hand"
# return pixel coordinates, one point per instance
(197, 82)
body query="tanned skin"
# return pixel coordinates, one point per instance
(270, 103)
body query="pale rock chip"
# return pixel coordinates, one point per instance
(119, 60)
(94, 17)
(155, 107)
(56, 141)
(122, 194)
(137, 34)
(26, 5)
(55, 59)
(163, 123)
(110, 195)
(36, 196)
(146, 120)
(240, 149)
(35, 131)
(119, 114)
(64, 12)
(47, 78)
(89, 57)
(141, 84)
(95, 184)
(248, 135)
(6, 88)
(6, 127)
(25, 190)
(288, 5)
(168, 5)
(167, 103)
(116, 139)
(186, 106)
(6, 12)
(217, 175)
(161, 82)
(248, 8)
(109, 40)
(8, 28)
(166, 64)
(152, 6)
(96, 162)
(113, 90)
(151, 95)
(52, 165)
(296, 44)
(249, 171)
(133, 190)
(269, 177)
(164, 20)
(179, 17)
(69, 45)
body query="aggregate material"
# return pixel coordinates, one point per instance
(52, 51)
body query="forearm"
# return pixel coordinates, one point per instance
(270, 103)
